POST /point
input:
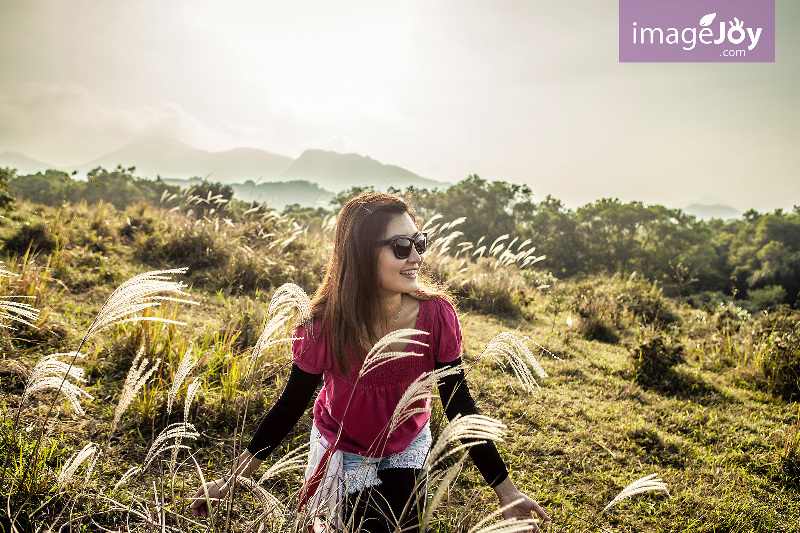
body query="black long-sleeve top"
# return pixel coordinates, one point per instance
(299, 391)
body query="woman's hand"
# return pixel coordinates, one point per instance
(507, 493)
(217, 490)
(244, 466)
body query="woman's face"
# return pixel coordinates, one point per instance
(398, 275)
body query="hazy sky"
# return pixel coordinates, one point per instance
(527, 91)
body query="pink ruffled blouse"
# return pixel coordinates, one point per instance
(362, 408)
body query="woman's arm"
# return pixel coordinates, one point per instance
(283, 416)
(274, 427)
(457, 400)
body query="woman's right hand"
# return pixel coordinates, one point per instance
(216, 489)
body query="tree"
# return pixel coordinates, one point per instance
(6, 198)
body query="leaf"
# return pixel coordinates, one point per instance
(708, 19)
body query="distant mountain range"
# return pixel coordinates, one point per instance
(257, 175)
(709, 211)
(173, 159)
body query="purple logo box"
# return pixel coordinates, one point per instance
(722, 31)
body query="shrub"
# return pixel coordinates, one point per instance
(191, 245)
(767, 298)
(779, 355)
(37, 237)
(600, 314)
(653, 360)
(647, 302)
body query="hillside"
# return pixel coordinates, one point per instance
(636, 383)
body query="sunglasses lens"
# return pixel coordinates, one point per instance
(402, 248)
(421, 244)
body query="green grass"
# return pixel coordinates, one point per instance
(712, 426)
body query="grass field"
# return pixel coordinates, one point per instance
(637, 384)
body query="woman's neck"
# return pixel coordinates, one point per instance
(392, 308)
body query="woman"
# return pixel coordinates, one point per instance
(371, 288)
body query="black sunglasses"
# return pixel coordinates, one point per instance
(401, 245)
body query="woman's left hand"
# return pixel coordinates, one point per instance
(507, 493)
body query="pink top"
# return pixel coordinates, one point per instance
(364, 418)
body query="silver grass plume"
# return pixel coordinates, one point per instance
(137, 294)
(510, 346)
(191, 392)
(92, 464)
(377, 357)
(294, 460)
(272, 509)
(644, 484)
(133, 382)
(479, 427)
(289, 296)
(125, 477)
(269, 337)
(179, 430)
(72, 464)
(22, 312)
(420, 389)
(428, 226)
(286, 298)
(187, 364)
(50, 373)
(444, 485)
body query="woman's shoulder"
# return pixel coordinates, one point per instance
(310, 348)
(444, 328)
(439, 307)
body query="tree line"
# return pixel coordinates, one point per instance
(755, 259)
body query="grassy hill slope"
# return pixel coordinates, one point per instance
(636, 384)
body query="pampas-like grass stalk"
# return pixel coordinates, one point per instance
(464, 427)
(288, 296)
(50, 373)
(191, 392)
(133, 382)
(178, 430)
(269, 337)
(22, 312)
(645, 484)
(444, 485)
(510, 347)
(420, 389)
(125, 477)
(273, 510)
(72, 464)
(377, 357)
(187, 364)
(137, 294)
(294, 460)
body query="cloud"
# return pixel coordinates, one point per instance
(65, 124)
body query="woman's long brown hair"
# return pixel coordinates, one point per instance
(347, 303)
